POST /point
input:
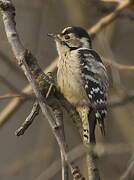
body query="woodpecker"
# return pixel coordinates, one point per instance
(82, 78)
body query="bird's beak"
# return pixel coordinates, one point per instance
(54, 36)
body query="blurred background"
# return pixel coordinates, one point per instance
(28, 156)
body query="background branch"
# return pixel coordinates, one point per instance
(129, 173)
(99, 149)
(109, 18)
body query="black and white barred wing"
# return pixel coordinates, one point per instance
(95, 83)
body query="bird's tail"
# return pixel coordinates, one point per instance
(88, 125)
(92, 125)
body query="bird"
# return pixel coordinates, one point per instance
(82, 78)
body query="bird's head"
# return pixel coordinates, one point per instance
(72, 38)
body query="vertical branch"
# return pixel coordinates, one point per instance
(64, 167)
(93, 172)
(57, 110)
(91, 162)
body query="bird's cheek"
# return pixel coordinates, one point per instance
(77, 43)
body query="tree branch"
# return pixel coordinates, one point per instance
(109, 18)
(34, 112)
(117, 65)
(35, 76)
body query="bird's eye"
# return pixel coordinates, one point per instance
(67, 36)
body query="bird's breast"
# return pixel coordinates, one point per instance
(69, 80)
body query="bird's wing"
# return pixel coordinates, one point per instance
(95, 83)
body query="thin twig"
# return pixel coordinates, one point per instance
(117, 65)
(129, 172)
(64, 167)
(34, 112)
(25, 96)
(11, 95)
